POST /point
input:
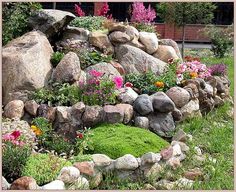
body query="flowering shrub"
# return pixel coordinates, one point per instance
(15, 153)
(79, 11)
(218, 69)
(104, 10)
(142, 15)
(83, 141)
(193, 69)
(99, 90)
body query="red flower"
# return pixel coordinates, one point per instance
(15, 134)
(80, 135)
(79, 11)
(128, 84)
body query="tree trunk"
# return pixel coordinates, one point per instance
(183, 40)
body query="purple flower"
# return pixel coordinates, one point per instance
(218, 69)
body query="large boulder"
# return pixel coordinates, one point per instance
(132, 32)
(92, 115)
(127, 95)
(173, 44)
(179, 96)
(113, 114)
(14, 109)
(50, 21)
(165, 52)
(150, 41)
(119, 37)
(25, 64)
(161, 123)
(101, 40)
(134, 60)
(106, 68)
(68, 70)
(191, 109)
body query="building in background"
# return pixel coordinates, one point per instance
(223, 16)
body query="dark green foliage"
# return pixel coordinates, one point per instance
(116, 140)
(92, 23)
(13, 160)
(44, 168)
(56, 58)
(15, 19)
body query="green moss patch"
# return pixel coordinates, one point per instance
(44, 168)
(116, 140)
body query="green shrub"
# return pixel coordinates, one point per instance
(221, 39)
(56, 58)
(92, 23)
(13, 160)
(44, 168)
(116, 140)
(15, 19)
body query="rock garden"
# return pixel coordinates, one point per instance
(89, 100)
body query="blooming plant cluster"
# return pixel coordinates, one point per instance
(192, 69)
(104, 11)
(190, 58)
(14, 138)
(142, 15)
(79, 11)
(218, 69)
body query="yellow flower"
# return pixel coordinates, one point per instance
(193, 75)
(159, 84)
(36, 130)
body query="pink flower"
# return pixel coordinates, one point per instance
(118, 80)
(79, 11)
(8, 137)
(128, 84)
(16, 134)
(95, 73)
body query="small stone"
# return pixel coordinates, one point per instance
(189, 137)
(77, 110)
(132, 32)
(143, 104)
(191, 109)
(213, 160)
(96, 180)
(127, 162)
(150, 158)
(180, 135)
(113, 114)
(184, 183)
(63, 114)
(199, 158)
(5, 184)
(69, 174)
(141, 122)
(127, 110)
(193, 174)
(167, 153)
(86, 167)
(119, 37)
(149, 40)
(218, 101)
(176, 150)
(183, 146)
(128, 95)
(162, 103)
(81, 184)
(24, 183)
(198, 151)
(101, 160)
(174, 162)
(31, 107)
(209, 90)
(47, 112)
(176, 114)
(154, 171)
(164, 185)
(14, 109)
(56, 185)
(148, 186)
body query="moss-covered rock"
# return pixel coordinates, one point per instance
(44, 168)
(116, 140)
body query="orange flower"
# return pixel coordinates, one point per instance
(36, 130)
(193, 75)
(159, 84)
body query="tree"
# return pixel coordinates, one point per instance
(182, 13)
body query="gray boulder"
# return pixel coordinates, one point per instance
(141, 122)
(162, 103)
(143, 104)
(50, 21)
(179, 96)
(161, 123)
(134, 60)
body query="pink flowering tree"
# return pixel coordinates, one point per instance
(104, 11)
(142, 15)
